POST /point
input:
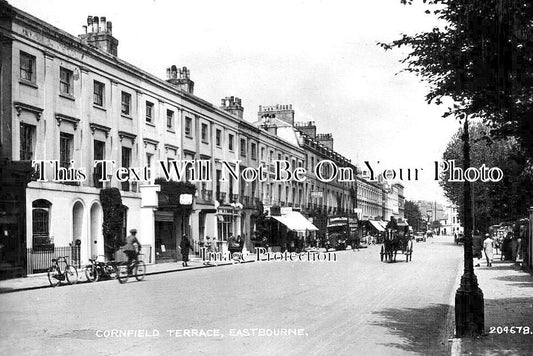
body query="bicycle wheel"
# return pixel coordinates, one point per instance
(122, 274)
(72, 274)
(54, 276)
(92, 274)
(139, 270)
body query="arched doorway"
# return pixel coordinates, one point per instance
(77, 230)
(96, 245)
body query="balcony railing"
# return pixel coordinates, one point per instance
(221, 197)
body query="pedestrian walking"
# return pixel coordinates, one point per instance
(507, 246)
(497, 244)
(185, 246)
(209, 251)
(488, 247)
(477, 247)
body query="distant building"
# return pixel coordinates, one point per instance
(450, 223)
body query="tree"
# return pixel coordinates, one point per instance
(113, 220)
(435, 225)
(413, 215)
(480, 56)
(494, 202)
(261, 222)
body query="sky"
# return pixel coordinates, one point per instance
(320, 56)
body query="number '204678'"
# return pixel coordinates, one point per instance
(526, 330)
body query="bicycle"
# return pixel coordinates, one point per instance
(97, 269)
(137, 268)
(56, 276)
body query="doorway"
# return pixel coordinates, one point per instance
(165, 237)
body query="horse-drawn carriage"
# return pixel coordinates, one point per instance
(396, 238)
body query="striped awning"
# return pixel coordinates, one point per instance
(377, 225)
(295, 221)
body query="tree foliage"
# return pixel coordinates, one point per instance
(494, 202)
(261, 221)
(480, 55)
(113, 219)
(413, 215)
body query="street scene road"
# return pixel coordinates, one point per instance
(355, 305)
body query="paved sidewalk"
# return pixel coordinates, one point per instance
(508, 296)
(40, 280)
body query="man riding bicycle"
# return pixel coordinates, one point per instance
(131, 249)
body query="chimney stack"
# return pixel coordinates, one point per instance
(307, 127)
(282, 112)
(180, 78)
(98, 33)
(326, 140)
(233, 105)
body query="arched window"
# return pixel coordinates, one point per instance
(41, 222)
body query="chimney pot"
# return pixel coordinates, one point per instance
(89, 20)
(103, 24)
(84, 29)
(95, 24)
(109, 27)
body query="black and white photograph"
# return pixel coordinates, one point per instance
(266, 177)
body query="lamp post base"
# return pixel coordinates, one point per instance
(469, 312)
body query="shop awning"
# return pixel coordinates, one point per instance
(296, 221)
(383, 224)
(377, 225)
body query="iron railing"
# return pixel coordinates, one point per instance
(40, 260)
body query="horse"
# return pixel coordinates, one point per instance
(394, 240)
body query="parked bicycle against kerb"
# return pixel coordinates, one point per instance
(136, 269)
(97, 270)
(56, 275)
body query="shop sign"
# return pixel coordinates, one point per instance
(285, 210)
(185, 199)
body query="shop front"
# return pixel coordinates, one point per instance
(165, 236)
(171, 218)
(289, 231)
(14, 177)
(376, 230)
(228, 223)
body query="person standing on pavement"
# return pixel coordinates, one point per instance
(185, 246)
(488, 247)
(477, 247)
(233, 245)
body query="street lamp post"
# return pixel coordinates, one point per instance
(469, 308)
